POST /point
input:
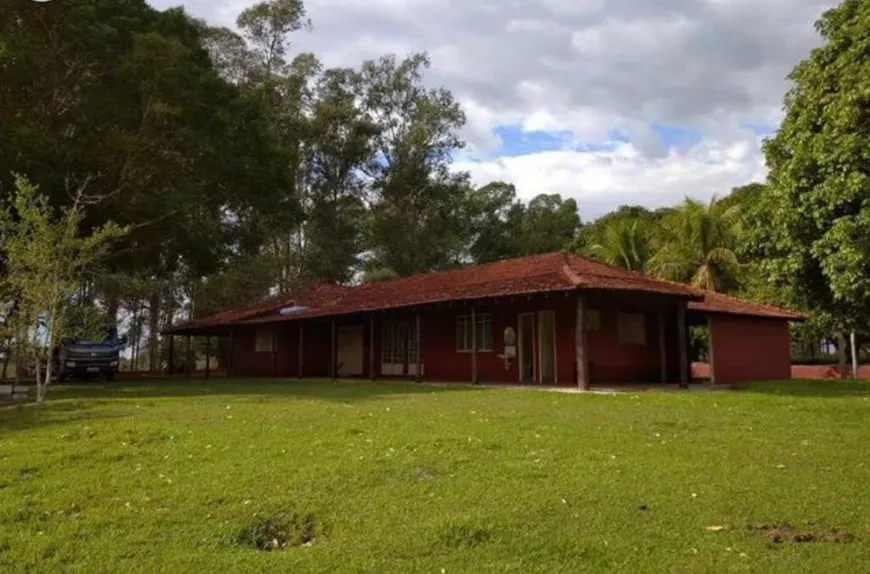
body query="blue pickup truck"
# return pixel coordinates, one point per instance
(82, 359)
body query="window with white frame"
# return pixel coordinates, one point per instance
(263, 341)
(464, 335)
(592, 317)
(631, 329)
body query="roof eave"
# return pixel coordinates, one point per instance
(792, 318)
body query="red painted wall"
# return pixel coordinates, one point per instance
(246, 361)
(443, 362)
(749, 349)
(610, 360)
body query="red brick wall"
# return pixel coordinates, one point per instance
(814, 372)
(749, 349)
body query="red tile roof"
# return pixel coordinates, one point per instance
(549, 272)
(317, 295)
(720, 303)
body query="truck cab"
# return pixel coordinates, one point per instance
(83, 359)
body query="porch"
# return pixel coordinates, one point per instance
(528, 340)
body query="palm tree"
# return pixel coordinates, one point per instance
(622, 242)
(697, 244)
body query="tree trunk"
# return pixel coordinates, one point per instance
(40, 386)
(153, 333)
(168, 317)
(7, 348)
(18, 363)
(841, 353)
(113, 301)
(7, 352)
(854, 346)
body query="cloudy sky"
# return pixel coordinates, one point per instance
(607, 101)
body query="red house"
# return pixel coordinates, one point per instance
(552, 319)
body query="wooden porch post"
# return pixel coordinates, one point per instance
(684, 347)
(187, 359)
(208, 357)
(275, 353)
(332, 353)
(372, 346)
(301, 358)
(710, 343)
(232, 358)
(170, 365)
(474, 378)
(419, 353)
(663, 355)
(581, 356)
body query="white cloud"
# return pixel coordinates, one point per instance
(590, 68)
(603, 180)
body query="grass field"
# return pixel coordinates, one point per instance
(359, 477)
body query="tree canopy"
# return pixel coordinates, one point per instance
(816, 237)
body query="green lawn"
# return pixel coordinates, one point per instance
(177, 476)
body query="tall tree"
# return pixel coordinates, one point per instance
(697, 244)
(339, 140)
(622, 242)
(267, 27)
(125, 98)
(497, 217)
(503, 226)
(746, 196)
(815, 234)
(418, 217)
(549, 223)
(283, 86)
(621, 237)
(46, 256)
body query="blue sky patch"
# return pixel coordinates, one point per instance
(762, 130)
(677, 136)
(516, 141)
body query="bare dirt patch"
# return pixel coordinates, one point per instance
(779, 532)
(463, 536)
(282, 531)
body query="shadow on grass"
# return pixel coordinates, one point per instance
(811, 388)
(340, 391)
(29, 415)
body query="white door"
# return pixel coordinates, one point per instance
(412, 351)
(393, 349)
(399, 349)
(350, 351)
